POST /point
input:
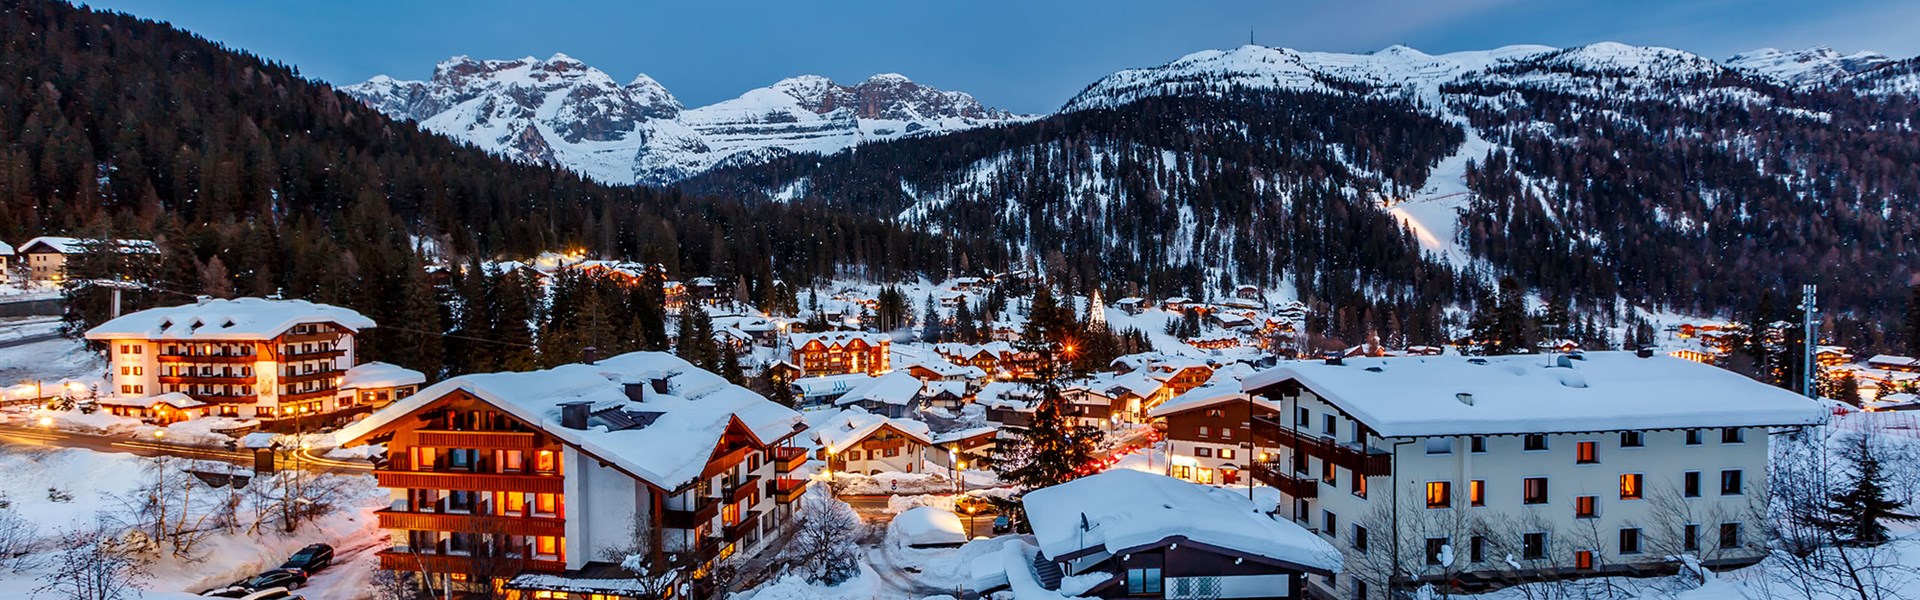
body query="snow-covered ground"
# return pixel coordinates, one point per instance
(65, 489)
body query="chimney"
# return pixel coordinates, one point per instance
(636, 391)
(590, 354)
(573, 415)
(659, 383)
(1334, 359)
(1644, 353)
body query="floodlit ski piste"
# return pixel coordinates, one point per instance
(1582, 320)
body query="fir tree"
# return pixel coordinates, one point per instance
(1913, 320)
(1856, 513)
(1052, 450)
(932, 329)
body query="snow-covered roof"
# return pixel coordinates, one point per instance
(1601, 391)
(944, 368)
(1224, 387)
(1137, 383)
(381, 375)
(896, 387)
(843, 428)
(963, 434)
(838, 338)
(5, 250)
(968, 351)
(67, 245)
(1006, 394)
(668, 452)
(928, 526)
(1891, 359)
(1124, 510)
(831, 384)
(236, 319)
(957, 388)
(173, 399)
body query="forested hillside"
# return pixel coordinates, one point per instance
(257, 181)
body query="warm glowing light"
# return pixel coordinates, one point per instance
(46, 421)
(159, 434)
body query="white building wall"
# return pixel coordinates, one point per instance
(1662, 461)
(601, 503)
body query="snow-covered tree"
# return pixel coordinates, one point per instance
(825, 547)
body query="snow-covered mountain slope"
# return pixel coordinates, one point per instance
(1818, 65)
(562, 112)
(1217, 72)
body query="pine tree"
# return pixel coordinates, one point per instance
(932, 329)
(729, 364)
(1913, 320)
(1052, 450)
(1855, 514)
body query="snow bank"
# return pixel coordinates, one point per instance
(927, 526)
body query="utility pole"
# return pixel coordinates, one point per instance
(1809, 312)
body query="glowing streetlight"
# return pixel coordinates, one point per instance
(46, 421)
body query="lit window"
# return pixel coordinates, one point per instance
(1586, 453)
(1439, 494)
(1586, 507)
(1631, 487)
(1477, 492)
(1583, 560)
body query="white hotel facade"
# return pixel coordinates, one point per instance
(1603, 463)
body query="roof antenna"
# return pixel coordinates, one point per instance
(1250, 37)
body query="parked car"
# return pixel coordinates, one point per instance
(310, 559)
(1002, 524)
(278, 578)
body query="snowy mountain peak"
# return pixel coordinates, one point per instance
(1812, 66)
(564, 112)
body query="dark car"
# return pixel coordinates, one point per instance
(310, 559)
(278, 578)
(1002, 524)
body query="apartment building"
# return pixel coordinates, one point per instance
(841, 352)
(1443, 467)
(530, 481)
(246, 357)
(47, 256)
(1209, 431)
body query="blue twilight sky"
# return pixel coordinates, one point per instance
(1026, 56)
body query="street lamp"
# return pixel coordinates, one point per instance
(969, 509)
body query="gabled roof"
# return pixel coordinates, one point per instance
(5, 250)
(236, 319)
(1222, 388)
(831, 384)
(668, 452)
(838, 338)
(68, 245)
(1124, 510)
(1601, 391)
(896, 387)
(844, 428)
(381, 375)
(957, 388)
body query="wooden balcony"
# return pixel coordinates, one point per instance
(206, 379)
(314, 355)
(738, 531)
(476, 482)
(299, 338)
(551, 526)
(743, 491)
(786, 490)
(495, 440)
(1276, 475)
(1369, 462)
(305, 396)
(314, 376)
(724, 462)
(689, 519)
(208, 358)
(391, 560)
(788, 459)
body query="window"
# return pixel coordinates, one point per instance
(1203, 431)
(1586, 507)
(1329, 523)
(1360, 539)
(1226, 453)
(1730, 482)
(1328, 424)
(1215, 412)
(1439, 445)
(853, 455)
(1477, 492)
(1226, 433)
(1145, 579)
(1586, 453)
(1729, 535)
(1478, 444)
(1690, 486)
(1631, 487)
(1693, 437)
(1329, 472)
(1359, 589)
(1733, 435)
(1630, 541)
(1583, 560)
(1477, 549)
(1302, 417)
(1534, 490)
(1358, 485)
(1202, 452)
(1632, 439)
(1535, 442)
(1439, 494)
(1533, 546)
(1690, 537)
(1435, 548)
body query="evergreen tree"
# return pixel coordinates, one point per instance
(1913, 320)
(1052, 450)
(729, 364)
(932, 329)
(1856, 513)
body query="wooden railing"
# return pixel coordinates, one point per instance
(549, 526)
(314, 355)
(502, 440)
(477, 482)
(785, 490)
(207, 358)
(1369, 462)
(1276, 475)
(221, 379)
(314, 376)
(305, 396)
(744, 490)
(737, 531)
(787, 459)
(688, 519)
